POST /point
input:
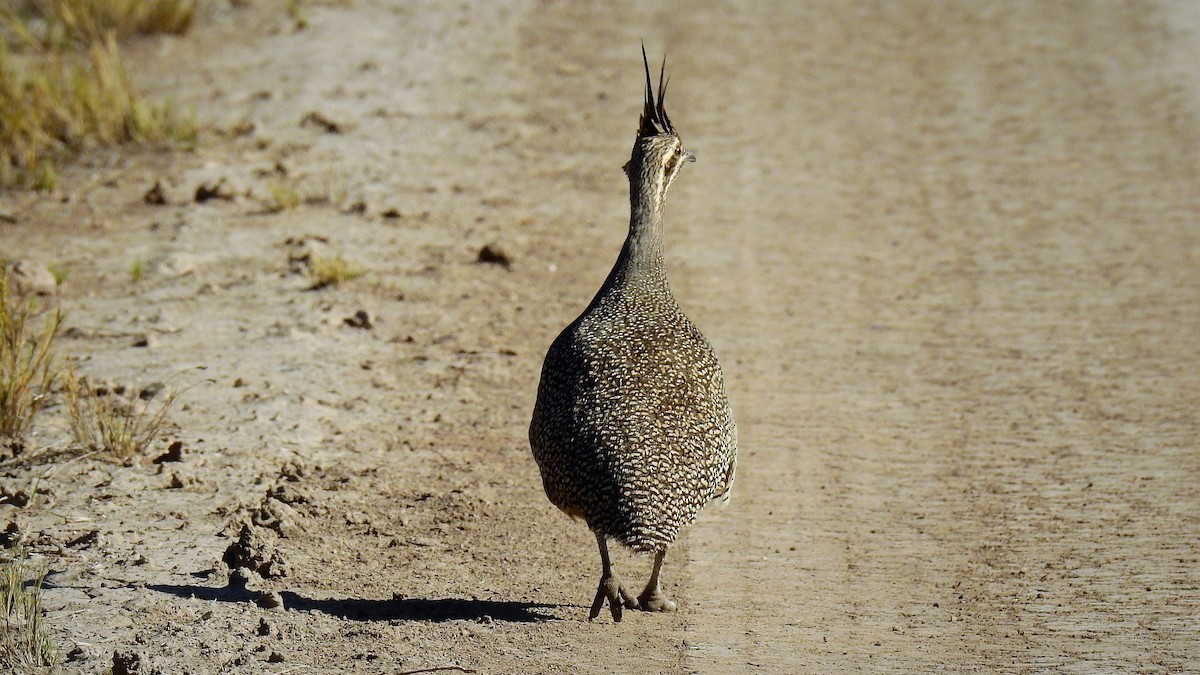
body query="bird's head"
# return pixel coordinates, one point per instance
(658, 153)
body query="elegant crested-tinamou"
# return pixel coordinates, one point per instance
(632, 429)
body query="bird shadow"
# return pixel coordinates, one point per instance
(363, 609)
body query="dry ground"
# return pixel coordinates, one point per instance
(948, 253)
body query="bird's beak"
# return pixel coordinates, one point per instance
(688, 156)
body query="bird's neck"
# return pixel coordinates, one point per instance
(641, 257)
(640, 265)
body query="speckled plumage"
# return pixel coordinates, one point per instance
(632, 429)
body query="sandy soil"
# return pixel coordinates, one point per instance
(948, 254)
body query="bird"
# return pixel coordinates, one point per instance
(632, 430)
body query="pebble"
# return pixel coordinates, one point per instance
(494, 254)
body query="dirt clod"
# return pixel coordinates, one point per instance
(270, 600)
(214, 190)
(130, 662)
(174, 453)
(314, 118)
(156, 195)
(254, 551)
(11, 534)
(85, 540)
(31, 277)
(494, 254)
(361, 319)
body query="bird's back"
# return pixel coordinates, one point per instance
(632, 429)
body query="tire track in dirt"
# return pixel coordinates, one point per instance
(955, 322)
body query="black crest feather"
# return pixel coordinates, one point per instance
(654, 115)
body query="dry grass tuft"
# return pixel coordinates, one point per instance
(124, 426)
(25, 644)
(56, 23)
(63, 88)
(283, 196)
(27, 369)
(332, 270)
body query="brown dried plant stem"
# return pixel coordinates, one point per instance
(27, 370)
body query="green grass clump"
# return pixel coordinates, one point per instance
(25, 642)
(103, 421)
(64, 90)
(27, 370)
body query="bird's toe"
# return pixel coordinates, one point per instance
(656, 601)
(614, 592)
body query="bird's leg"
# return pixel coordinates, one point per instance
(653, 599)
(611, 588)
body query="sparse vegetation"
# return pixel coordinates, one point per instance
(283, 196)
(137, 270)
(91, 21)
(295, 11)
(25, 643)
(59, 273)
(332, 270)
(120, 424)
(63, 88)
(27, 370)
(285, 193)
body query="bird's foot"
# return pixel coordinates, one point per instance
(654, 600)
(612, 590)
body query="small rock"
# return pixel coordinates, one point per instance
(11, 534)
(275, 657)
(155, 196)
(146, 341)
(174, 453)
(270, 600)
(32, 278)
(18, 498)
(86, 540)
(264, 628)
(493, 254)
(239, 578)
(150, 391)
(361, 319)
(317, 119)
(390, 214)
(217, 190)
(175, 264)
(127, 662)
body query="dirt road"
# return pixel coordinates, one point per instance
(948, 255)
